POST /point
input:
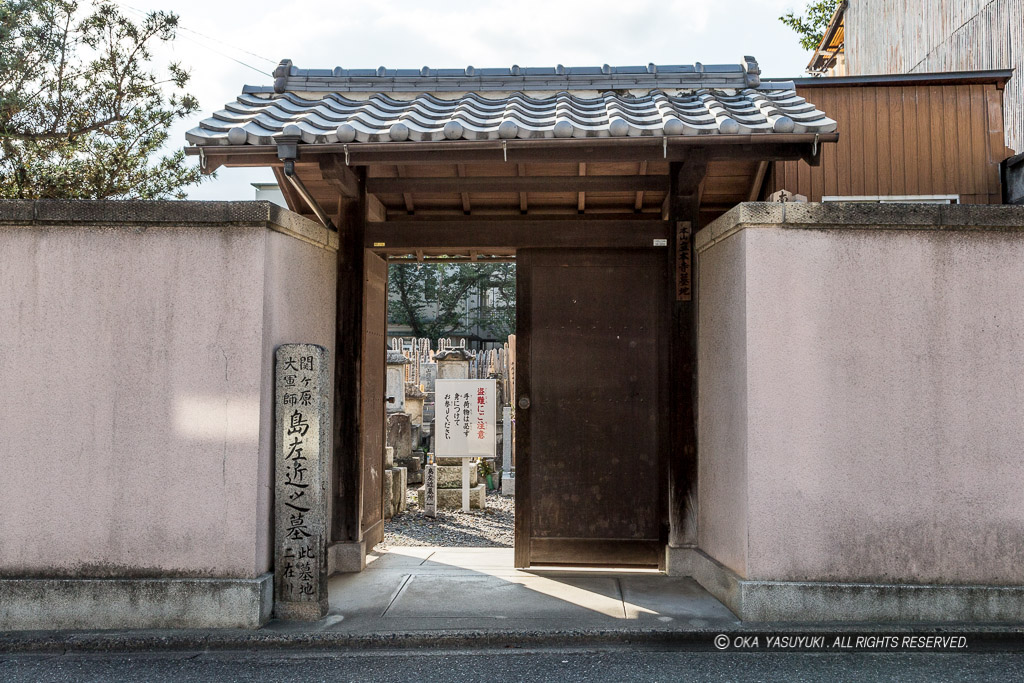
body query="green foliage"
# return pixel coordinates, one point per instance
(82, 115)
(811, 27)
(430, 298)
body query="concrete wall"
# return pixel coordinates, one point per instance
(136, 358)
(860, 393)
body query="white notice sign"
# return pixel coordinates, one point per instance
(464, 418)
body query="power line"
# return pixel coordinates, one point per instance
(201, 44)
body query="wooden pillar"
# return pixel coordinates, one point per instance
(347, 357)
(683, 210)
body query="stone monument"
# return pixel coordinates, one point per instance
(301, 434)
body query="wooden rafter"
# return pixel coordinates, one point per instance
(407, 196)
(521, 171)
(639, 203)
(291, 197)
(461, 171)
(755, 187)
(581, 198)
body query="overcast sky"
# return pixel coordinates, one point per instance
(412, 34)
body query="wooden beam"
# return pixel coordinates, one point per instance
(347, 422)
(521, 171)
(295, 202)
(376, 212)
(581, 198)
(755, 187)
(409, 206)
(406, 236)
(773, 147)
(460, 169)
(627, 183)
(683, 207)
(569, 216)
(343, 178)
(639, 203)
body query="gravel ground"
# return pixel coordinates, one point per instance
(489, 528)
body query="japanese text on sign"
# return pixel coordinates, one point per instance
(465, 419)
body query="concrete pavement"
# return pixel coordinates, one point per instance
(416, 597)
(430, 589)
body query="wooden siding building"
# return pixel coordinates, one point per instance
(931, 36)
(927, 135)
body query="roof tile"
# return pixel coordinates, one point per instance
(637, 101)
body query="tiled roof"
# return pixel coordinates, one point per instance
(675, 100)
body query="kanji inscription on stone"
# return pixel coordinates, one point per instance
(301, 433)
(430, 491)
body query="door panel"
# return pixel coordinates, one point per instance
(590, 467)
(374, 350)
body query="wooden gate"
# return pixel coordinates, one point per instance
(590, 465)
(374, 350)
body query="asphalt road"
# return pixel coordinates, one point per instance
(559, 666)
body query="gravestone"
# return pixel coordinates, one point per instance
(394, 391)
(399, 436)
(389, 492)
(414, 397)
(301, 430)
(399, 482)
(452, 364)
(428, 375)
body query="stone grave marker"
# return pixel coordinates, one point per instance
(301, 428)
(430, 492)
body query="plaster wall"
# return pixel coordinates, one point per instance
(722, 427)
(300, 291)
(883, 393)
(134, 438)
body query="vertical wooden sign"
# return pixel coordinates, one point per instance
(683, 256)
(301, 432)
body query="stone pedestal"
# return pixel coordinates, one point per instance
(414, 467)
(508, 483)
(450, 476)
(451, 499)
(301, 434)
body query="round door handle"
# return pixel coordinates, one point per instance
(524, 402)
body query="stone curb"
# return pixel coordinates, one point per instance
(982, 638)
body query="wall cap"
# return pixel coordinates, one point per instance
(125, 213)
(856, 216)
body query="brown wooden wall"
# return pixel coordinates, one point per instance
(904, 139)
(932, 36)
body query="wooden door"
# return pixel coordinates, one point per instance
(374, 350)
(590, 459)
